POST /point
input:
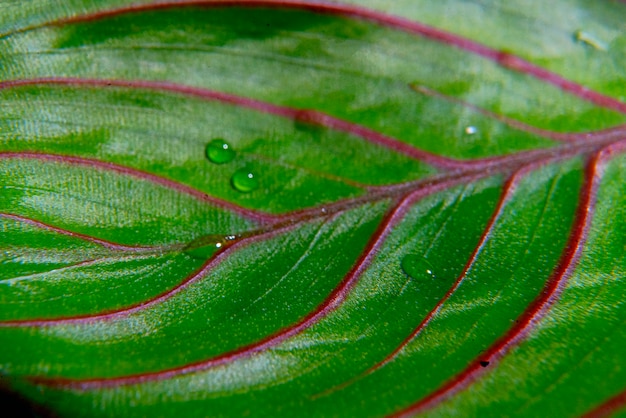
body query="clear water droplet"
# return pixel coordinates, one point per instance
(471, 130)
(244, 180)
(417, 267)
(204, 247)
(219, 151)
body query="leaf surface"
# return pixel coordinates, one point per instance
(420, 207)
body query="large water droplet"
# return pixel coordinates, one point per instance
(244, 180)
(417, 267)
(219, 151)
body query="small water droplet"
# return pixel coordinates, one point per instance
(219, 151)
(417, 267)
(244, 180)
(471, 130)
(204, 247)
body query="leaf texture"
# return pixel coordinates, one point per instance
(420, 212)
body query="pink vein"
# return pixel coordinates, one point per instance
(617, 402)
(284, 221)
(502, 58)
(104, 243)
(114, 314)
(288, 222)
(143, 175)
(312, 117)
(305, 116)
(508, 190)
(340, 293)
(334, 299)
(519, 125)
(538, 308)
(122, 312)
(608, 408)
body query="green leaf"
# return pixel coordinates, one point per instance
(302, 208)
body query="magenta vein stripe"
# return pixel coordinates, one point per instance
(116, 314)
(313, 117)
(142, 175)
(104, 243)
(121, 312)
(616, 131)
(502, 58)
(609, 407)
(508, 190)
(335, 298)
(306, 116)
(507, 193)
(539, 307)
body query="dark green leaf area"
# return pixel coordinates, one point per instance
(349, 68)
(583, 337)
(108, 205)
(296, 164)
(230, 307)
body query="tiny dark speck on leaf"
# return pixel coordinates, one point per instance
(484, 363)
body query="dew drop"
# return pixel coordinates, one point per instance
(219, 151)
(417, 267)
(471, 130)
(204, 247)
(244, 180)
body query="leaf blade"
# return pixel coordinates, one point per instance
(368, 94)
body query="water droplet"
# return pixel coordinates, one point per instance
(471, 130)
(244, 180)
(417, 267)
(219, 151)
(204, 247)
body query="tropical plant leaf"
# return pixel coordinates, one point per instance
(266, 208)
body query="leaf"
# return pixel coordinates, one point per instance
(420, 212)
